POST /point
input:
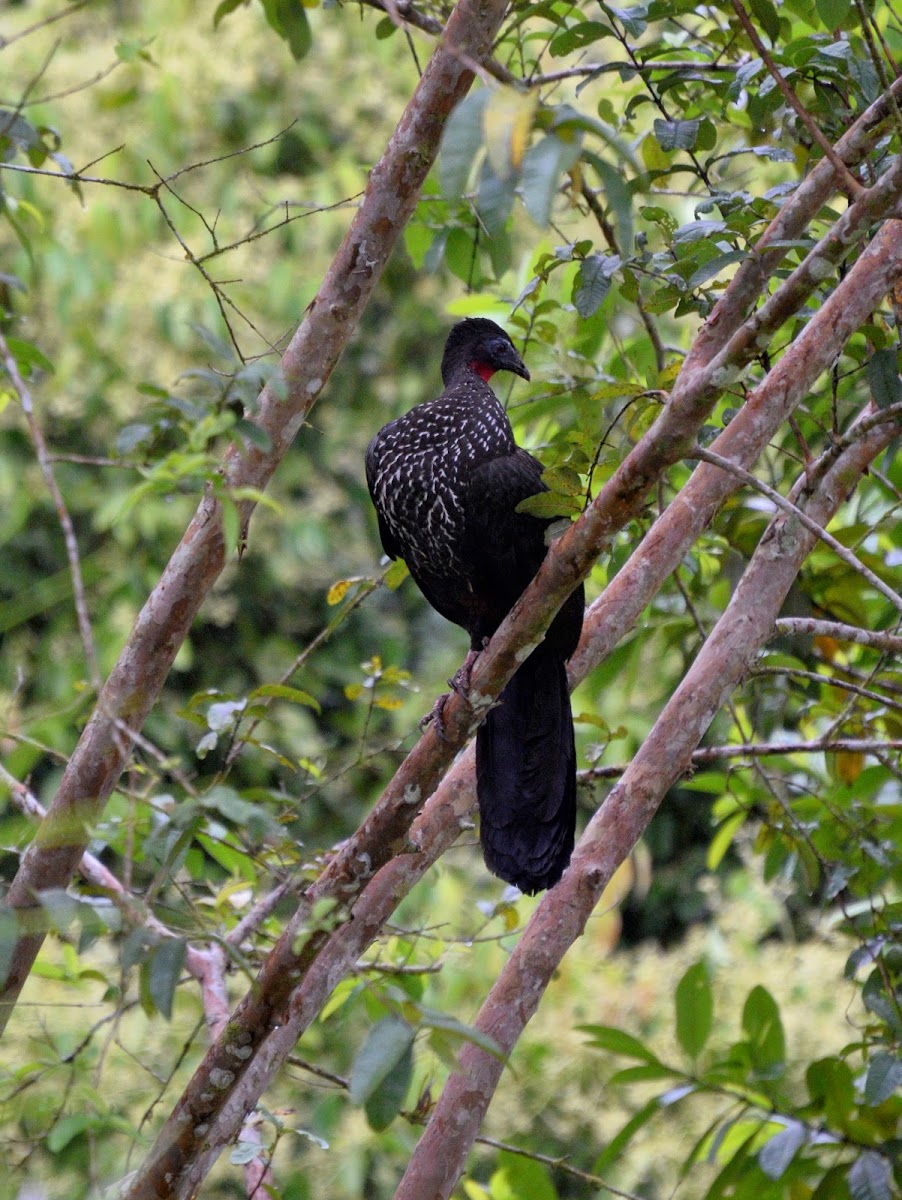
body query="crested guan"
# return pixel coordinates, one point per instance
(446, 479)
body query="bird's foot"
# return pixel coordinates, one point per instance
(460, 680)
(435, 717)
(459, 683)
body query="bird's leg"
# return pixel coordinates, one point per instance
(460, 683)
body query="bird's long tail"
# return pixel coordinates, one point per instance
(526, 776)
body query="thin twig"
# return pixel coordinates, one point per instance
(829, 681)
(81, 86)
(876, 639)
(257, 914)
(668, 64)
(850, 559)
(559, 1164)
(43, 23)
(714, 754)
(62, 512)
(795, 103)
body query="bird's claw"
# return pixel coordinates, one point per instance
(460, 680)
(435, 717)
(459, 683)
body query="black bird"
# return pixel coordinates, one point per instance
(446, 479)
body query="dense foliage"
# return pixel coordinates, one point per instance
(173, 185)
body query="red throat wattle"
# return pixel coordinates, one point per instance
(483, 370)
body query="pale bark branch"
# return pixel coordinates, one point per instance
(618, 608)
(888, 643)
(129, 693)
(202, 552)
(790, 223)
(666, 754)
(714, 754)
(849, 557)
(391, 195)
(607, 621)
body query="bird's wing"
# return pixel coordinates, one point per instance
(494, 490)
(505, 547)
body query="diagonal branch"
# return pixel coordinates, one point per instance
(788, 225)
(138, 676)
(666, 754)
(607, 621)
(888, 643)
(849, 557)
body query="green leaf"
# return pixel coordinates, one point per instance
(584, 33)
(723, 839)
(519, 1177)
(289, 20)
(767, 17)
(563, 480)
(870, 1177)
(832, 1089)
(715, 265)
(878, 1002)
(592, 284)
(694, 1009)
(396, 574)
(433, 1018)
(461, 142)
(383, 1051)
(460, 255)
(883, 378)
(677, 135)
(607, 1037)
(643, 1073)
(761, 1023)
(883, 1078)
(494, 199)
(617, 1144)
(550, 504)
(164, 967)
(68, 1128)
(279, 691)
(28, 357)
(776, 1155)
(384, 1104)
(618, 196)
(540, 178)
(224, 8)
(833, 12)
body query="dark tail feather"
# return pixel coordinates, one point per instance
(526, 777)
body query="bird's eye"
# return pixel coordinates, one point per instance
(498, 347)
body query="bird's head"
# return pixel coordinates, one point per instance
(483, 347)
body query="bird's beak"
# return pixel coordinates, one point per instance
(513, 362)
